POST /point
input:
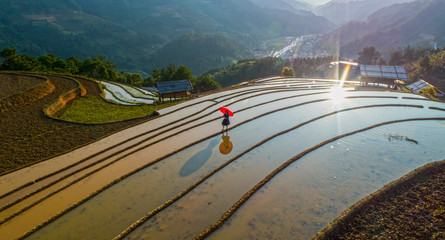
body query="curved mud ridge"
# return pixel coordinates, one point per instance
(343, 223)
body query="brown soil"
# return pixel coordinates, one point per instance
(410, 208)
(28, 136)
(90, 86)
(13, 84)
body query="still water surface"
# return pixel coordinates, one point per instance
(303, 201)
(313, 191)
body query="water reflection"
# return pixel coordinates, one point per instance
(311, 192)
(198, 160)
(226, 146)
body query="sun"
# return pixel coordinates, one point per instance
(337, 95)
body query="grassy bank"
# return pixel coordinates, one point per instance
(94, 110)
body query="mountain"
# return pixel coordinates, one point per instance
(417, 24)
(242, 20)
(289, 5)
(200, 52)
(132, 32)
(313, 2)
(344, 11)
(59, 27)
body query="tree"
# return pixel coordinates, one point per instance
(370, 56)
(19, 63)
(73, 64)
(14, 62)
(396, 58)
(8, 52)
(409, 54)
(182, 73)
(288, 72)
(51, 62)
(90, 68)
(149, 82)
(99, 68)
(205, 83)
(425, 64)
(60, 66)
(156, 75)
(168, 72)
(135, 79)
(429, 92)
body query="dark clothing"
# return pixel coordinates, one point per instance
(226, 121)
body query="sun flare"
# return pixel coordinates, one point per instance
(345, 75)
(337, 95)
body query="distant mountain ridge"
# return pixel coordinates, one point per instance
(290, 5)
(417, 24)
(344, 11)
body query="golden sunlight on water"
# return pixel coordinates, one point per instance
(278, 121)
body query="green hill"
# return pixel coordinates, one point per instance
(71, 33)
(130, 32)
(200, 52)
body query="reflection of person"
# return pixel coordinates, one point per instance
(226, 146)
(226, 140)
(226, 121)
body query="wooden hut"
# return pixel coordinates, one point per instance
(174, 89)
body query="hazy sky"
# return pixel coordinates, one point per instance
(316, 2)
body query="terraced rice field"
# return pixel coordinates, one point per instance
(125, 95)
(28, 136)
(301, 154)
(12, 84)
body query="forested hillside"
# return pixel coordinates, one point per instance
(142, 35)
(53, 27)
(131, 32)
(265, 67)
(200, 52)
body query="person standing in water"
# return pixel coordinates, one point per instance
(226, 121)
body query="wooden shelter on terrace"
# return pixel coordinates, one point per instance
(174, 89)
(382, 74)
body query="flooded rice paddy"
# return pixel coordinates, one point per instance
(319, 150)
